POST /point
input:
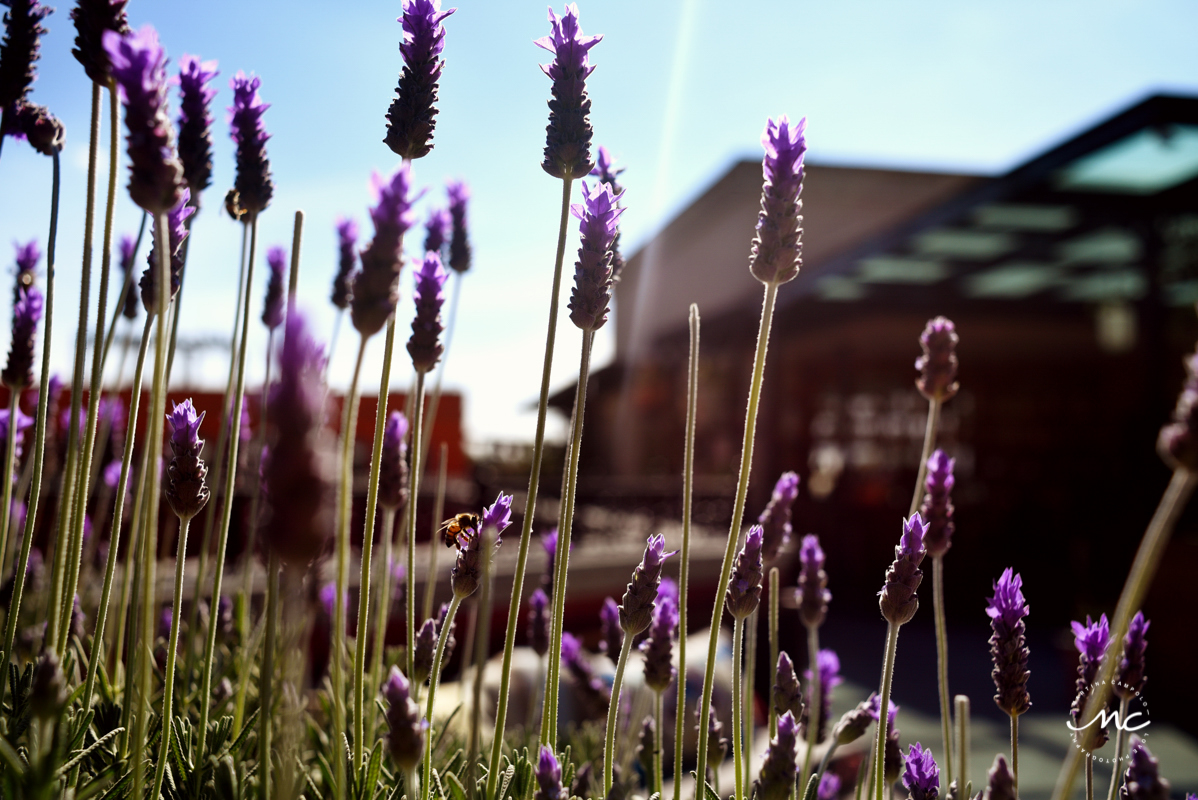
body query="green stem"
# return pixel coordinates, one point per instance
(892, 632)
(127, 629)
(482, 638)
(815, 706)
(738, 511)
(929, 443)
(750, 672)
(688, 482)
(382, 613)
(434, 679)
(963, 740)
(172, 655)
(534, 481)
(126, 287)
(738, 702)
(659, 715)
(39, 434)
(430, 581)
(417, 419)
(1089, 779)
(1015, 752)
(613, 711)
(266, 678)
(10, 460)
(946, 712)
(773, 623)
(1120, 743)
(825, 761)
(562, 558)
(230, 476)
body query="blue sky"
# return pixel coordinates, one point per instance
(682, 90)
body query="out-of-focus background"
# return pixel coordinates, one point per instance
(1028, 169)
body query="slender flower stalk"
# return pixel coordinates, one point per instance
(392, 497)
(937, 510)
(688, 477)
(961, 710)
(812, 598)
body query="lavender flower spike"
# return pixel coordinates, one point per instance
(1000, 781)
(937, 508)
(855, 721)
(376, 286)
(195, 123)
(636, 607)
(393, 464)
(425, 345)
(1142, 780)
(27, 257)
(744, 588)
(938, 364)
(775, 519)
(1008, 644)
(1131, 678)
(186, 489)
(412, 115)
(778, 771)
(272, 307)
(26, 313)
(467, 572)
(92, 18)
(605, 170)
(176, 232)
(23, 424)
(138, 65)
(568, 136)
(897, 599)
(1178, 441)
(405, 727)
(19, 50)
(828, 664)
(549, 777)
(812, 594)
(787, 694)
(1091, 641)
(44, 132)
(347, 239)
(459, 242)
(128, 253)
(658, 649)
(922, 776)
(538, 622)
(436, 231)
(611, 635)
(777, 251)
(426, 645)
(253, 185)
(600, 216)
(829, 787)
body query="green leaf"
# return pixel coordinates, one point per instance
(85, 721)
(10, 757)
(118, 789)
(456, 790)
(445, 727)
(812, 786)
(246, 727)
(373, 767)
(506, 780)
(82, 754)
(708, 792)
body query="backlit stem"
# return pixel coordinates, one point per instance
(774, 580)
(815, 706)
(892, 632)
(688, 482)
(434, 679)
(430, 581)
(613, 712)
(946, 711)
(1120, 743)
(738, 702)
(172, 655)
(416, 419)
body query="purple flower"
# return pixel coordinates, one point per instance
(636, 607)
(1178, 440)
(937, 508)
(1000, 781)
(594, 695)
(549, 777)
(425, 651)
(646, 745)
(658, 649)
(922, 776)
(787, 695)
(611, 635)
(568, 136)
(467, 570)
(177, 232)
(185, 483)
(606, 172)
(128, 253)
(272, 307)
(34, 123)
(459, 242)
(165, 619)
(1142, 780)
(254, 186)
(775, 519)
(549, 542)
(777, 251)
(138, 64)
(812, 594)
(19, 50)
(27, 257)
(425, 344)
(829, 678)
(897, 599)
(376, 287)
(498, 515)
(195, 123)
(1131, 678)
(538, 622)
(744, 588)
(412, 115)
(668, 589)
(405, 726)
(436, 231)
(92, 18)
(26, 313)
(393, 463)
(1008, 644)
(23, 424)
(829, 787)
(938, 364)
(328, 597)
(1091, 641)
(853, 724)
(343, 281)
(778, 771)
(599, 215)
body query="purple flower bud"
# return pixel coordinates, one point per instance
(1091, 641)
(254, 186)
(922, 776)
(568, 136)
(27, 256)
(829, 787)
(1008, 643)
(128, 253)
(436, 231)
(775, 519)
(744, 588)
(938, 364)
(812, 594)
(549, 542)
(23, 424)
(611, 635)
(19, 51)
(48, 692)
(26, 313)
(937, 508)
(853, 724)
(272, 307)
(778, 771)
(425, 344)
(717, 744)
(393, 463)
(787, 694)
(165, 619)
(636, 607)
(376, 286)
(777, 252)
(138, 64)
(34, 123)
(467, 571)
(195, 123)
(892, 763)
(897, 599)
(1178, 441)
(459, 242)
(549, 777)
(600, 216)
(1142, 780)
(1131, 678)
(646, 746)
(829, 678)
(224, 615)
(413, 115)
(1000, 781)
(405, 727)
(92, 18)
(177, 231)
(594, 695)
(425, 651)
(606, 172)
(343, 281)
(658, 649)
(538, 622)
(186, 489)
